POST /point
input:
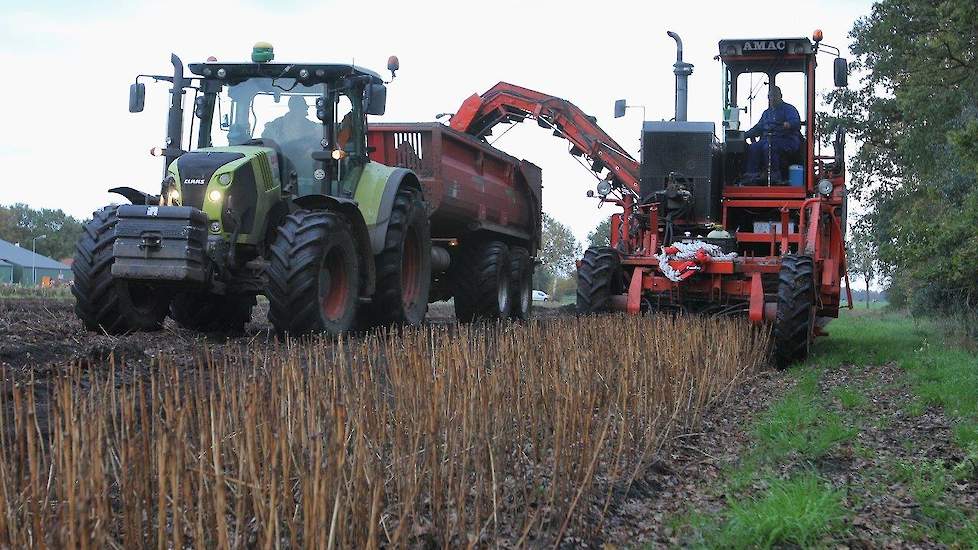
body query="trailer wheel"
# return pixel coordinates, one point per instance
(794, 321)
(404, 265)
(481, 279)
(313, 275)
(521, 283)
(103, 303)
(598, 278)
(206, 312)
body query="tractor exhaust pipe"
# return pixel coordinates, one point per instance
(682, 71)
(174, 121)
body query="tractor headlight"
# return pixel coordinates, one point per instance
(173, 196)
(825, 187)
(224, 179)
(215, 196)
(604, 187)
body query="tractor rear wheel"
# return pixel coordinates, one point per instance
(521, 283)
(598, 279)
(481, 279)
(794, 323)
(206, 312)
(404, 265)
(313, 275)
(103, 303)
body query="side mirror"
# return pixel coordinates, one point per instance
(840, 70)
(620, 108)
(393, 64)
(375, 96)
(137, 97)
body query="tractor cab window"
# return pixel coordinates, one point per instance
(279, 112)
(751, 99)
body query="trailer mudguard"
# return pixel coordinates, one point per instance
(375, 194)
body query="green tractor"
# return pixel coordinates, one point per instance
(270, 199)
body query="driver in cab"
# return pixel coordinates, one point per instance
(779, 133)
(293, 125)
(296, 137)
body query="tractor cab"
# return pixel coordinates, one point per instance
(261, 132)
(312, 115)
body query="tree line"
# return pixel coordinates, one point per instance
(20, 224)
(914, 118)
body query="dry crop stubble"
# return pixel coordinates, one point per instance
(456, 436)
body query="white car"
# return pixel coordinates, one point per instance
(540, 296)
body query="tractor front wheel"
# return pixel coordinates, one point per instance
(103, 303)
(313, 275)
(599, 277)
(206, 312)
(794, 323)
(481, 280)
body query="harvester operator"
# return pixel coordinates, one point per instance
(779, 133)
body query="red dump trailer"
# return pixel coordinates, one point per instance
(485, 215)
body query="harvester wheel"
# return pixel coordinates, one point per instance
(105, 304)
(313, 275)
(206, 312)
(404, 265)
(521, 283)
(795, 319)
(481, 278)
(599, 277)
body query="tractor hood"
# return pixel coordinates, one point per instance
(229, 184)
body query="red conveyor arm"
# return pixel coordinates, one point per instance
(507, 103)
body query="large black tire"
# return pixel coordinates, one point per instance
(481, 279)
(208, 312)
(794, 323)
(313, 275)
(521, 283)
(105, 304)
(599, 277)
(404, 265)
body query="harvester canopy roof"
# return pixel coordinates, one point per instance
(746, 47)
(316, 72)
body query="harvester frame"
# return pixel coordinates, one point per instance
(788, 274)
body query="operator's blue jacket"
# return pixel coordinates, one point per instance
(773, 121)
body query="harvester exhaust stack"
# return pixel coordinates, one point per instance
(682, 71)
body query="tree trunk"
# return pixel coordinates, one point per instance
(867, 292)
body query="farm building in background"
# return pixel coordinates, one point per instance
(18, 266)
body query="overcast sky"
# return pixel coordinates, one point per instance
(67, 135)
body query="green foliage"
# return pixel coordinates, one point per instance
(20, 223)
(798, 511)
(849, 398)
(861, 254)
(600, 235)
(799, 424)
(914, 116)
(558, 253)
